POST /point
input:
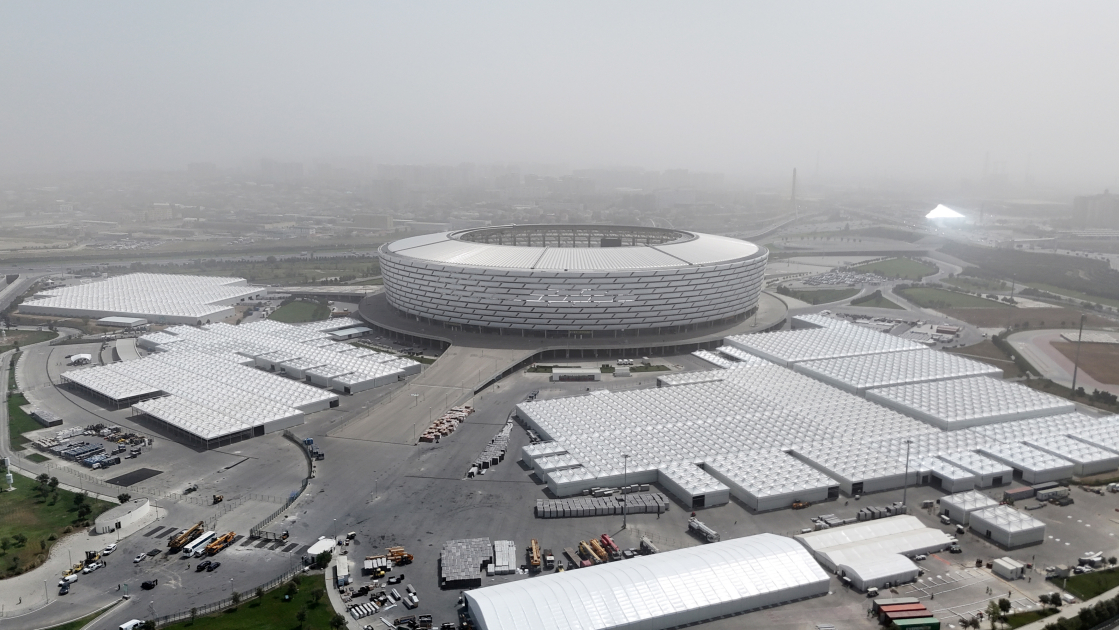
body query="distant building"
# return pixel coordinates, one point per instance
(1096, 210)
(373, 221)
(158, 212)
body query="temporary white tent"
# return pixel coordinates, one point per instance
(878, 570)
(853, 544)
(665, 590)
(959, 507)
(1008, 527)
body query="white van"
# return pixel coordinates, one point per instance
(131, 625)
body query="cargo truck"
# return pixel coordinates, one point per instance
(534, 560)
(221, 542)
(177, 541)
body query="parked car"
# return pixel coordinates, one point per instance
(139, 558)
(92, 566)
(65, 588)
(148, 585)
(213, 566)
(202, 566)
(69, 579)
(109, 549)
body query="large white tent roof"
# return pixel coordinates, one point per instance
(148, 295)
(894, 368)
(753, 571)
(843, 340)
(965, 402)
(942, 211)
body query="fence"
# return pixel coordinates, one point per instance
(227, 602)
(258, 530)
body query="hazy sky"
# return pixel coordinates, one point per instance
(870, 90)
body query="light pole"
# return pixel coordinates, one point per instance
(905, 486)
(625, 482)
(1076, 362)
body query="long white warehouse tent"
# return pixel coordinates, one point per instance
(656, 592)
(157, 298)
(842, 340)
(968, 402)
(201, 383)
(858, 374)
(854, 544)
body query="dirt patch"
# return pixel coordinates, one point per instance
(1023, 317)
(1099, 360)
(987, 352)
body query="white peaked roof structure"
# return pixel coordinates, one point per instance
(857, 544)
(664, 590)
(843, 340)
(159, 298)
(969, 402)
(942, 211)
(858, 374)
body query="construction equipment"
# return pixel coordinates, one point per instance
(611, 547)
(178, 540)
(218, 498)
(572, 556)
(534, 555)
(599, 552)
(702, 530)
(92, 556)
(588, 553)
(221, 542)
(800, 505)
(399, 556)
(284, 535)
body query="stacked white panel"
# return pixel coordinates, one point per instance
(770, 480)
(1087, 459)
(967, 402)
(858, 374)
(1062, 424)
(159, 298)
(793, 346)
(1035, 466)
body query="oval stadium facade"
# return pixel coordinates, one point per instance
(573, 279)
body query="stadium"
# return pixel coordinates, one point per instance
(577, 280)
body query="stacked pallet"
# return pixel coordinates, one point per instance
(504, 558)
(494, 452)
(446, 424)
(460, 561)
(652, 503)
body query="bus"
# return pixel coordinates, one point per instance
(198, 545)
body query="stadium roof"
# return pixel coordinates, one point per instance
(739, 574)
(693, 249)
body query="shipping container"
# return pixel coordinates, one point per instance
(1018, 494)
(887, 601)
(908, 614)
(896, 608)
(928, 623)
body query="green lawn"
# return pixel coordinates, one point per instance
(1074, 294)
(77, 624)
(1088, 585)
(38, 518)
(941, 298)
(285, 270)
(272, 612)
(25, 338)
(875, 300)
(649, 368)
(19, 422)
(299, 312)
(899, 268)
(822, 296)
(38, 458)
(1020, 619)
(971, 283)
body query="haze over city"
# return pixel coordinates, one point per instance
(854, 93)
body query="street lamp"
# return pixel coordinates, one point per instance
(1076, 362)
(625, 482)
(905, 482)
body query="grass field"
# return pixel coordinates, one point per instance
(929, 297)
(271, 612)
(37, 518)
(1074, 294)
(19, 422)
(25, 338)
(899, 268)
(971, 283)
(875, 300)
(298, 312)
(77, 624)
(1099, 360)
(822, 296)
(38, 458)
(987, 352)
(1001, 317)
(1020, 619)
(1088, 585)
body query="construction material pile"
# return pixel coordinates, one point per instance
(446, 424)
(652, 503)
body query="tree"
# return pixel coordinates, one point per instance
(84, 510)
(124, 497)
(149, 624)
(317, 594)
(193, 614)
(993, 613)
(43, 478)
(337, 621)
(236, 597)
(259, 593)
(323, 559)
(1112, 560)
(5, 543)
(301, 616)
(79, 498)
(21, 539)
(1004, 605)
(292, 589)
(53, 483)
